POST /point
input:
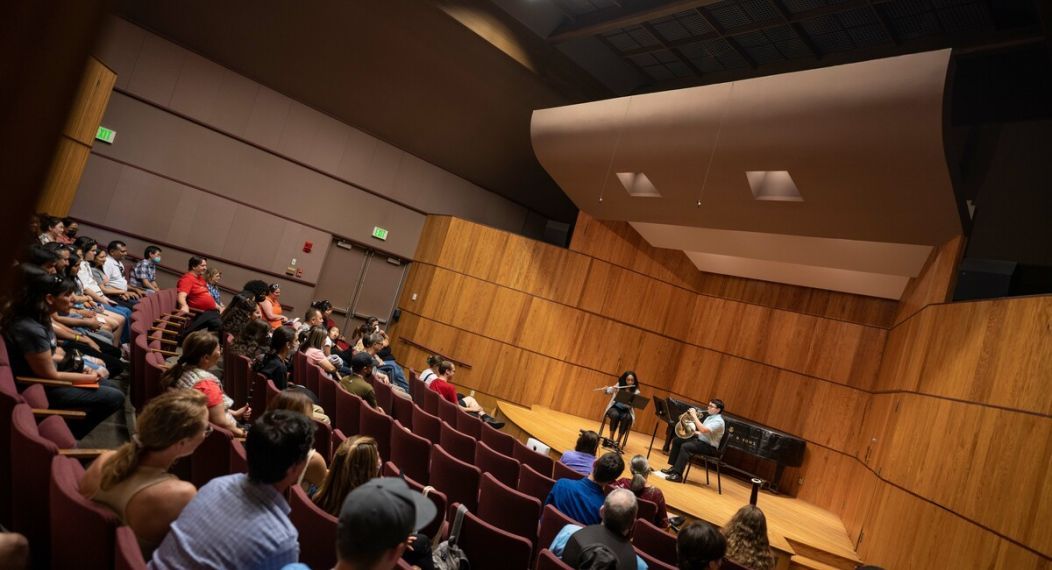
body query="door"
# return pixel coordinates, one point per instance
(360, 283)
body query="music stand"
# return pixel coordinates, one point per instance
(663, 414)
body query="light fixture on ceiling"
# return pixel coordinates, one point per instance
(773, 186)
(638, 185)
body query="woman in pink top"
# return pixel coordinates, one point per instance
(313, 348)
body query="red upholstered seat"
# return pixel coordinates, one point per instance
(348, 417)
(654, 562)
(448, 412)
(83, 531)
(402, 410)
(552, 521)
(469, 424)
(127, 555)
(378, 426)
(317, 530)
(258, 399)
(459, 480)
(238, 457)
(438, 498)
(30, 481)
(457, 444)
(490, 548)
(508, 509)
(384, 395)
(504, 468)
(327, 395)
(323, 440)
(533, 483)
(211, 459)
(410, 452)
(426, 425)
(498, 440)
(562, 471)
(431, 399)
(647, 511)
(541, 463)
(654, 541)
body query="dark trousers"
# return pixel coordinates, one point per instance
(682, 449)
(207, 320)
(98, 404)
(620, 420)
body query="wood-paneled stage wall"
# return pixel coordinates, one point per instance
(928, 424)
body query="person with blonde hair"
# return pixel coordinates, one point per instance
(355, 461)
(191, 370)
(298, 402)
(640, 469)
(747, 539)
(133, 481)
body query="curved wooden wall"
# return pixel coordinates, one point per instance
(928, 424)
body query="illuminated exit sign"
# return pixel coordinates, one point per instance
(379, 233)
(106, 135)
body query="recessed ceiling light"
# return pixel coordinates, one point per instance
(638, 185)
(773, 186)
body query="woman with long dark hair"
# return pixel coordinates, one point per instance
(33, 351)
(747, 539)
(200, 354)
(621, 415)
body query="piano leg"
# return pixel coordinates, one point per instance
(773, 485)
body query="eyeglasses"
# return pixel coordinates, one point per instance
(208, 430)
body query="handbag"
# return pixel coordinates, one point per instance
(449, 556)
(73, 361)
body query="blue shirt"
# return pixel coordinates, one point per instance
(579, 499)
(559, 545)
(231, 523)
(579, 461)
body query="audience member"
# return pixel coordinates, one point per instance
(580, 499)
(144, 274)
(86, 249)
(113, 269)
(361, 367)
(706, 440)
(34, 352)
(355, 461)
(241, 521)
(429, 373)
(618, 515)
(72, 227)
(193, 294)
(253, 340)
(241, 311)
(311, 347)
(120, 296)
(314, 474)
(53, 230)
(212, 277)
(14, 551)
(747, 539)
(640, 470)
(371, 344)
(191, 370)
(700, 547)
(134, 481)
(271, 307)
(621, 415)
(377, 523)
(444, 386)
(583, 455)
(388, 366)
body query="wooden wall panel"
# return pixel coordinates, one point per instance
(618, 243)
(78, 136)
(935, 282)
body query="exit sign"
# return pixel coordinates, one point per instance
(379, 233)
(106, 135)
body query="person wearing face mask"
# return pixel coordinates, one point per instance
(71, 231)
(144, 274)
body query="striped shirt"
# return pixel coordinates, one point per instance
(231, 523)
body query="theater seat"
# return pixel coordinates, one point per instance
(85, 531)
(654, 541)
(504, 468)
(127, 555)
(552, 521)
(548, 561)
(426, 425)
(533, 483)
(211, 459)
(508, 509)
(562, 471)
(459, 480)
(457, 444)
(540, 463)
(410, 452)
(317, 530)
(402, 410)
(490, 548)
(348, 414)
(376, 425)
(469, 424)
(498, 440)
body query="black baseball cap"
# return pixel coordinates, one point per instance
(382, 513)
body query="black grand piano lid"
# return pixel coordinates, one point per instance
(763, 441)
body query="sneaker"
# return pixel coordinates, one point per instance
(496, 425)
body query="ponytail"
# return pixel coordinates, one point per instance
(123, 463)
(640, 470)
(639, 482)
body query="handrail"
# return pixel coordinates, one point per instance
(411, 342)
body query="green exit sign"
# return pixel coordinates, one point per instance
(379, 233)
(106, 135)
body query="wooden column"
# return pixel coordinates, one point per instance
(77, 138)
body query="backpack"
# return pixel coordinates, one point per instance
(449, 556)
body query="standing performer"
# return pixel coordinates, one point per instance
(705, 440)
(621, 415)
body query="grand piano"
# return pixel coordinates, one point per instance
(749, 437)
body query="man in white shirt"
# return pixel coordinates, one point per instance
(705, 441)
(113, 269)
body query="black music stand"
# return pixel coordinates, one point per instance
(663, 414)
(628, 398)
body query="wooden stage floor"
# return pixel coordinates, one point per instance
(788, 519)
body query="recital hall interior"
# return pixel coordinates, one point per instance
(832, 218)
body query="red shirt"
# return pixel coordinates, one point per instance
(212, 391)
(444, 389)
(197, 294)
